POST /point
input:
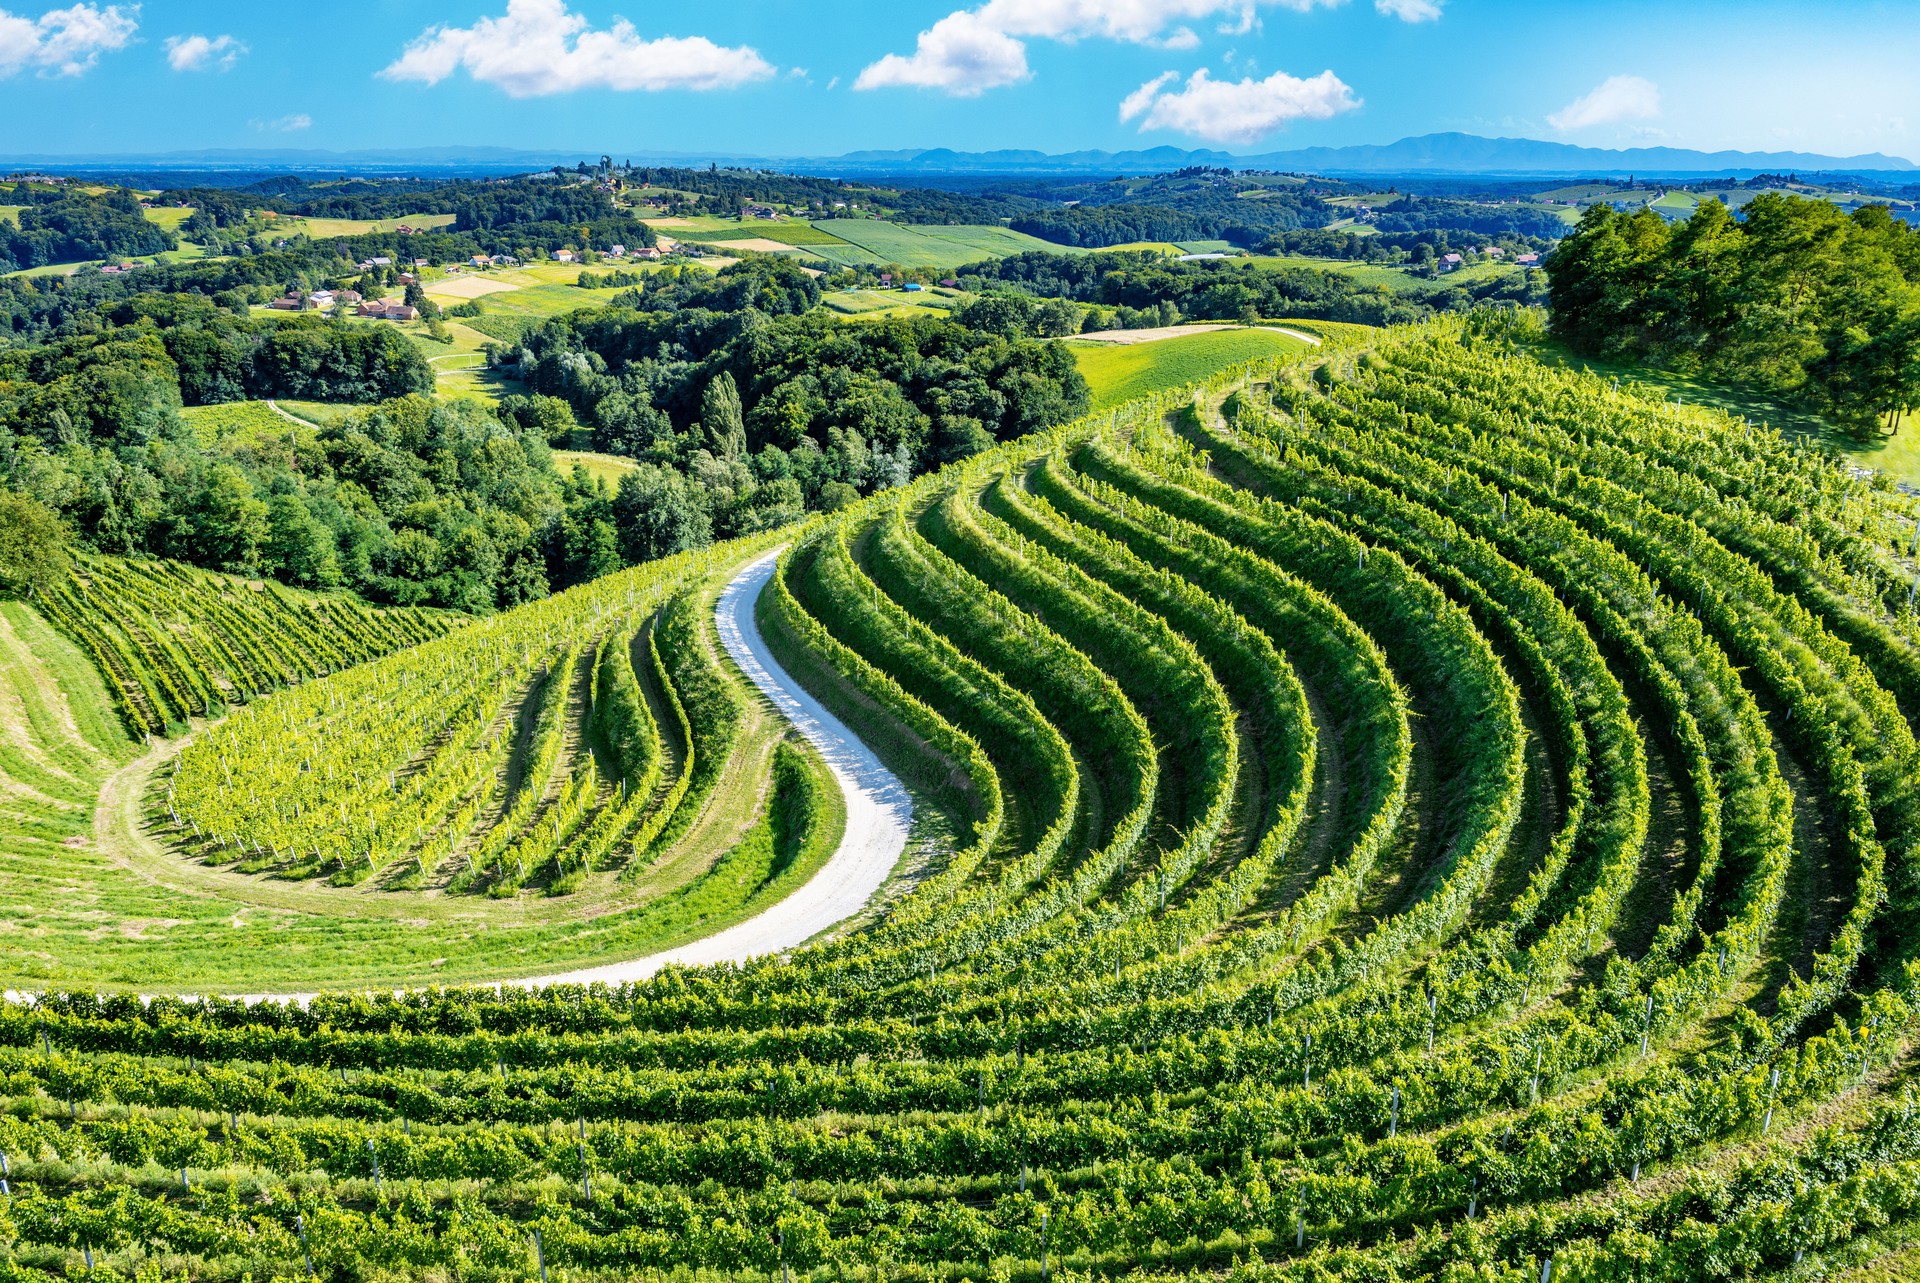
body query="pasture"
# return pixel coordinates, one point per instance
(322, 228)
(607, 468)
(1121, 372)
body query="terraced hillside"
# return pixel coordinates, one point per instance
(1422, 816)
(175, 642)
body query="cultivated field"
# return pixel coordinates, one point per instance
(1388, 810)
(1119, 372)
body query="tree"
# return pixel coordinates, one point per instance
(227, 524)
(724, 422)
(33, 544)
(297, 548)
(658, 512)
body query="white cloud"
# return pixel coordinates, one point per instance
(539, 48)
(285, 124)
(971, 51)
(197, 53)
(963, 53)
(1136, 103)
(1615, 99)
(1227, 111)
(64, 42)
(1410, 10)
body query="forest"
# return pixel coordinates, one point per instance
(744, 410)
(739, 382)
(58, 226)
(1132, 288)
(1792, 295)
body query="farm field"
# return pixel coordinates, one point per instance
(1120, 372)
(321, 228)
(879, 244)
(167, 216)
(870, 304)
(1390, 810)
(1392, 277)
(608, 468)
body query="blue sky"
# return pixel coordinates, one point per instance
(782, 77)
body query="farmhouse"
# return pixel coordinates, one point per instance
(618, 251)
(563, 256)
(480, 260)
(1450, 261)
(349, 297)
(1527, 260)
(646, 251)
(382, 311)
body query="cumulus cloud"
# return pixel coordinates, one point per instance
(1410, 10)
(1613, 100)
(1227, 111)
(973, 50)
(1136, 103)
(963, 53)
(197, 53)
(64, 42)
(539, 48)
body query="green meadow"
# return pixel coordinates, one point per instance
(1119, 372)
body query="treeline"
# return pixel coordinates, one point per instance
(1246, 223)
(59, 225)
(728, 191)
(1130, 289)
(476, 204)
(1793, 295)
(764, 408)
(1413, 213)
(1394, 247)
(120, 383)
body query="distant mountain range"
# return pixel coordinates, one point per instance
(1434, 154)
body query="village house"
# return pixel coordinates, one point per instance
(349, 297)
(480, 260)
(1449, 262)
(647, 251)
(1527, 260)
(563, 256)
(384, 311)
(617, 251)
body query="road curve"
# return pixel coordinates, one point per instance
(878, 812)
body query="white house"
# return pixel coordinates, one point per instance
(618, 251)
(563, 256)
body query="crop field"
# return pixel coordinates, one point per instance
(877, 244)
(608, 468)
(321, 228)
(1118, 373)
(799, 234)
(868, 304)
(1395, 810)
(167, 216)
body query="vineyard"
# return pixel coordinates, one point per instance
(1416, 814)
(174, 642)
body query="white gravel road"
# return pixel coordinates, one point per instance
(878, 813)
